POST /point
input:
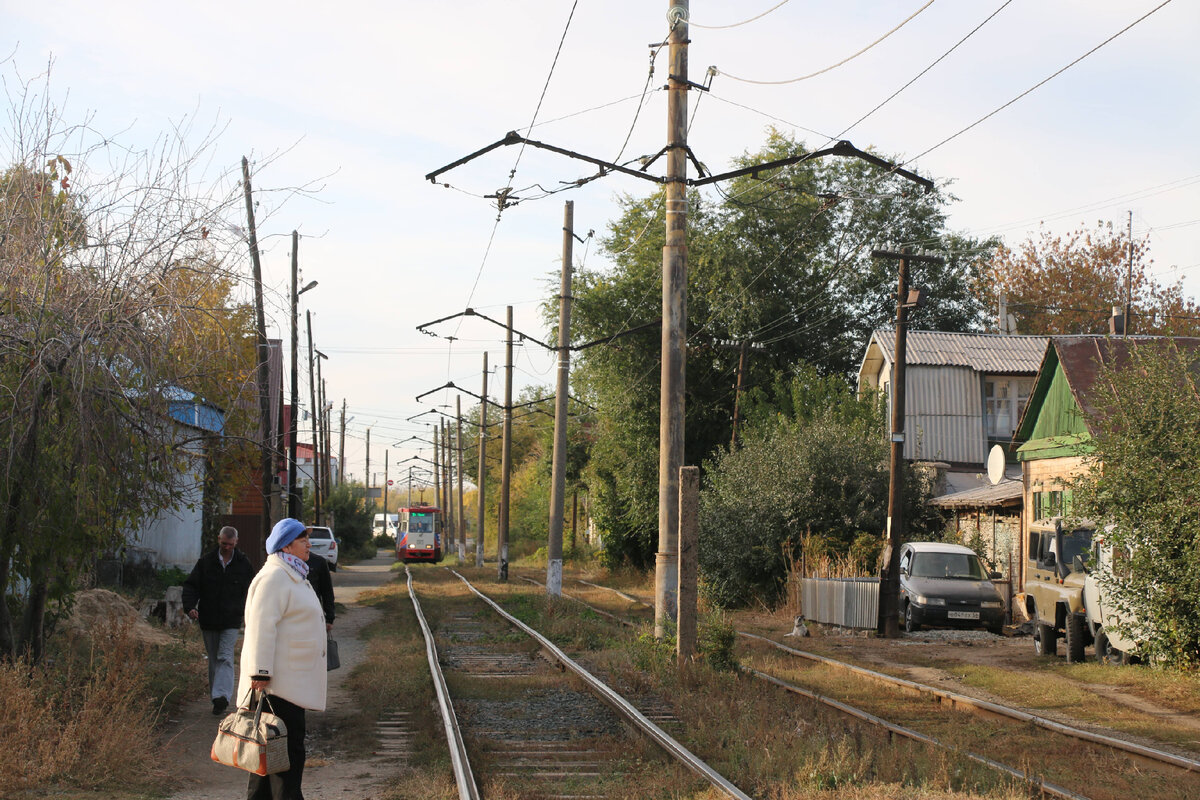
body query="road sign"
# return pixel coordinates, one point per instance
(391, 483)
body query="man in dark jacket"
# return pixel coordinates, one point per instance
(215, 595)
(322, 583)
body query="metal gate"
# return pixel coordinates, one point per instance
(845, 602)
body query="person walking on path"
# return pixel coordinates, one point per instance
(214, 594)
(322, 582)
(283, 654)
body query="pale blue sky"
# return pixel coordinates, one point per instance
(375, 95)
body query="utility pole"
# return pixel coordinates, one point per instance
(1129, 283)
(558, 479)
(437, 471)
(674, 326)
(327, 416)
(312, 393)
(743, 347)
(367, 474)
(505, 456)
(264, 371)
(385, 481)
(462, 520)
(888, 622)
(481, 473)
(447, 477)
(293, 506)
(342, 447)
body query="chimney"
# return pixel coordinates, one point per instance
(1116, 323)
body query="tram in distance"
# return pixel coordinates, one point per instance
(419, 534)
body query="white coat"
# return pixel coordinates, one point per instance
(285, 637)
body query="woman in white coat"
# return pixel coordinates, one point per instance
(283, 653)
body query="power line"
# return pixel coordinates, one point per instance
(738, 24)
(831, 67)
(1039, 84)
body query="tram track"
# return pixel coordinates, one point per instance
(521, 714)
(1128, 769)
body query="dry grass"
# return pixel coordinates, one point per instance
(84, 718)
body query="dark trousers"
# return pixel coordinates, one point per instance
(283, 785)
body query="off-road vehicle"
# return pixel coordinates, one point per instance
(1054, 581)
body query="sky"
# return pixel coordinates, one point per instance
(358, 101)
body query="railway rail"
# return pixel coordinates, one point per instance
(579, 759)
(1176, 774)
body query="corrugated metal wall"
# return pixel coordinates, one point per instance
(943, 419)
(846, 602)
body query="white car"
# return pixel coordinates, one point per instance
(324, 545)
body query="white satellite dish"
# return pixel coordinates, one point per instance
(995, 464)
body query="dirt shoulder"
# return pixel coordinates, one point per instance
(330, 771)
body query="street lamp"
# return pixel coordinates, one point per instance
(293, 493)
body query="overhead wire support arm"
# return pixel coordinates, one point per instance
(842, 149)
(515, 138)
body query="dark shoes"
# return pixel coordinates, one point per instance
(219, 705)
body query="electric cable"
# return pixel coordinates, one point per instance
(1037, 85)
(738, 24)
(831, 67)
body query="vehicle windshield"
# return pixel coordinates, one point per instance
(948, 565)
(1075, 543)
(420, 526)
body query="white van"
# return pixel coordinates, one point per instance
(385, 524)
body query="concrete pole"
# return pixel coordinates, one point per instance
(462, 519)
(689, 503)
(558, 477)
(481, 473)
(505, 456)
(674, 326)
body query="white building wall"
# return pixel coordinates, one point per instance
(172, 538)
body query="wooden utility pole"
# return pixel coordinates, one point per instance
(505, 456)
(264, 370)
(293, 505)
(385, 482)
(448, 476)
(462, 519)
(558, 477)
(674, 326)
(367, 470)
(1129, 283)
(481, 473)
(737, 392)
(888, 622)
(342, 446)
(314, 473)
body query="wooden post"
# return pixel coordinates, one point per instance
(689, 502)
(462, 519)
(264, 370)
(312, 394)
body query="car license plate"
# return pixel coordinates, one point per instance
(962, 614)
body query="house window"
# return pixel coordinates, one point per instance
(1004, 402)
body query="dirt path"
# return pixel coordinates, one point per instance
(327, 773)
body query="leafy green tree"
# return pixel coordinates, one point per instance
(1144, 482)
(818, 475)
(782, 259)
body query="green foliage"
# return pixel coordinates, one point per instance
(776, 262)
(384, 542)
(353, 517)
(1144, 481)
(718, 639)
(820, 477)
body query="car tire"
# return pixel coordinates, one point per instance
(910, 622)
(333, 566)
(1045, 640)
(997, 630)
(1075, 638)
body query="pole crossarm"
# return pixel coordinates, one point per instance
(842, 149)
(470, 312)
(515, 138)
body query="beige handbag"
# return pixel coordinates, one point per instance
(252, 739)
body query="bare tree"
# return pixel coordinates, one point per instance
(117, 274)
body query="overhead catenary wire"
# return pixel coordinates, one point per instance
(831, 67)
(775, 7)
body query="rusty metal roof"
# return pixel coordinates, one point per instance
(1005, 494)
(983, 352)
